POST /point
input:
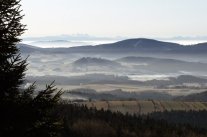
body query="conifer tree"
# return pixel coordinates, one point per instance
(22, 113)
(12, 67)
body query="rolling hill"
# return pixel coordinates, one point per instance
(89, 64)
(202, 97)
(24, 48)
(163, 65)
(138, 45)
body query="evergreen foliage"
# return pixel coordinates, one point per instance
(27, 112)
(12, 67)
(79, 121)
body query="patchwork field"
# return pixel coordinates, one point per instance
(145, 107)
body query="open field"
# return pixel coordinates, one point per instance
(145, 107)
(127, 88)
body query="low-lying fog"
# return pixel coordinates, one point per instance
(164, 73)
(66, 43)
(108, 73)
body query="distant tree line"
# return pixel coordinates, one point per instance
(79, 121)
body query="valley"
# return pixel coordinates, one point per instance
(133, 65)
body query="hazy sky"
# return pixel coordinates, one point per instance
(129, 18)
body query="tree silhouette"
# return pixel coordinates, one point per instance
(12, 67)
(27, 112)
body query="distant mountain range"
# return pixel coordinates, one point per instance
(76, 37)
(140, 45)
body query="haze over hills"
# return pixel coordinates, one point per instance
(57, 43)
(134, 59)
(112, 79)
(163, 65)
(142, 65)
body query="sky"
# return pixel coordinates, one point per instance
(111, 18)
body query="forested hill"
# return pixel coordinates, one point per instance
(84, 122)
(194, 97)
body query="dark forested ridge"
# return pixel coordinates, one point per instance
(79, 121)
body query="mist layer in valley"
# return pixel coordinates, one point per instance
(132, 66)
